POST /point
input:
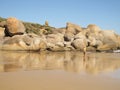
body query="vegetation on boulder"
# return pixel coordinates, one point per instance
(2, 19)
(34, 27)
(73, 37)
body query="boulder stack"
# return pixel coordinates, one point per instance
(72, 37)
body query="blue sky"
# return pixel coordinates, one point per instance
(104, 13)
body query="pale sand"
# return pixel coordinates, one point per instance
(56, 80)
(59, 71)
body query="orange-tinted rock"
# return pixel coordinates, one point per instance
(15, 25)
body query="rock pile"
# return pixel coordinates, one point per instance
(73, 37)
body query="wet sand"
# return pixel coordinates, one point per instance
(59, 71)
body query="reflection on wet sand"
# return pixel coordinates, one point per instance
(94, 63)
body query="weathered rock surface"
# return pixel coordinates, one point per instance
(69, 36)
(73, 28)
(79, 44)
(3, 23)
(23, 42)
(80, 41)
(54, 38)
(12, 26)
(2, 34)
(110, 41)
(118, 37)
(93, 28)
(15, 25)
(73, 37)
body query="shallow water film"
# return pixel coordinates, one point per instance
(59, 71)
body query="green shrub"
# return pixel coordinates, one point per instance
(2, 19)
(34, 27)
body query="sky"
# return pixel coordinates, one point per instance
(104, 13)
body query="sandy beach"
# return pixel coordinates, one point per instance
(59, 71)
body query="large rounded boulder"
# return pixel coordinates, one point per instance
(93, 28)
(15, 26)
(110, 40)
(79, 44)
(73, 28)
